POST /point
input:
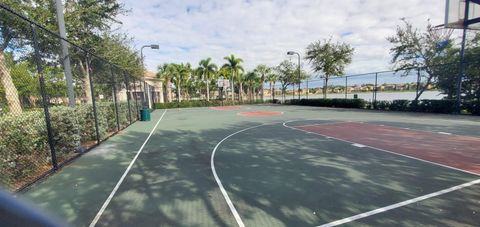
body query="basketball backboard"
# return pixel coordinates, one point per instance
(455, 14)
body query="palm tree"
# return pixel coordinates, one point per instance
(272, 78)
(234, 66)
(165, 72)
(224, 73)
(181, 75)
(263, 70)
(241, 79)
(206, 69)
(250, 79)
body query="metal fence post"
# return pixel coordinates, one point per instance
(115, 98)
(153, 96)
(135, 94)
(418, 82)
(144, 92)
(128, 97)
(45, 101)
(307, 88)
(375, 92)
(346, 87)
(94, 103)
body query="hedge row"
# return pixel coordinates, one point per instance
(342, 103)
(428, 106)
(202, 103)
(24, 146)
(425, 105)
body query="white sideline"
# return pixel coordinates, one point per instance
(400, 204)
(219, 182)
(380, 149)
(105, 204)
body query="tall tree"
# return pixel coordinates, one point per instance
(262, 70)
(181, 75)
(86, 22)
(447, 74)
(165, 73)
(234, 65)
(413, 49)
(286, 75)
(329, 59)
(224, 73)
(207, 69)
(272, 78)
(15, 37)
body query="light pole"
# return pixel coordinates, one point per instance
(65, 56)
(155, 47)
(299, 77)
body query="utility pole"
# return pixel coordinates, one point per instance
(65, 56)
(299, 74)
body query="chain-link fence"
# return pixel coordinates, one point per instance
(41, 126)
(439, 82)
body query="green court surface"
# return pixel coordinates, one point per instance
(211, 167)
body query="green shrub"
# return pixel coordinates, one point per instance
(201, 103)
(381, 105)
(66, 129)
(425, 105)
(399, 105)
(432, 106)
(23, 145)
(472, 107)
(106, 116)
(342, 103)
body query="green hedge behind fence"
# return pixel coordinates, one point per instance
(425, 105)
(343, 103)
(202, 103)
(23, 138)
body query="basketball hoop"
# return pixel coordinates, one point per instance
(441, 35)
(455, 14)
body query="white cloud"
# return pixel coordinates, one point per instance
(261, 31)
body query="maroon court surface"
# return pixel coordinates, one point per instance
(462, 152)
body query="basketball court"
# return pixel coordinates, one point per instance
(304, 167)
(273, 165)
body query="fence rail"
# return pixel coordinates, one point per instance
(39, 130)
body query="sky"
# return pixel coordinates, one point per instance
(262, 31)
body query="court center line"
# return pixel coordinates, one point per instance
(219, 182)
(400, 204)
(387, 151)
(105, 204)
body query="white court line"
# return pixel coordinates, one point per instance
(387, 151)
(358, 145)
(219, 182)
(445, 133)
(105, 204)
(400, 204)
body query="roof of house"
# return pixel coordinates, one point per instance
(150, 75)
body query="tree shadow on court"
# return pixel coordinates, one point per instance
(298, 179)
(275, 176)
(458, 208)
